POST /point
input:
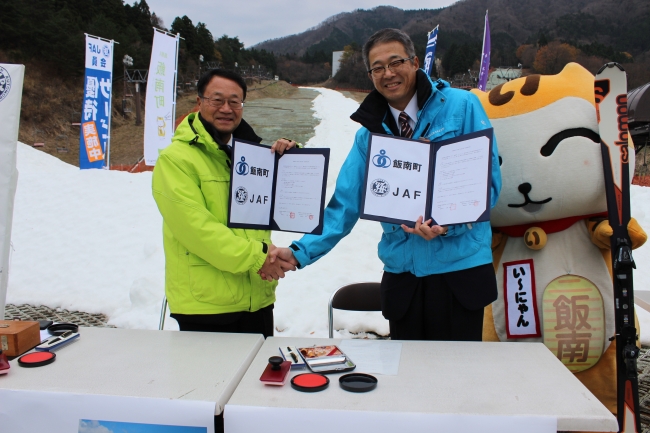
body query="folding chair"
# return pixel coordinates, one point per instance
(163, 313)
(354, 297)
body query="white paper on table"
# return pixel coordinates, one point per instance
(374, 356)
(251, 184)
(60, 412)
(299, 191)
(398, 175)
(460, 181)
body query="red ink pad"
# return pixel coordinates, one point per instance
(310, 382)
(36, 359)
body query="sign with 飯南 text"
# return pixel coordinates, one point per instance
(397, 179)
(11, 90)
(446, 181)
(160, 104)
(95, 131)
(269, 191)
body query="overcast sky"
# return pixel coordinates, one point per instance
(255, 21)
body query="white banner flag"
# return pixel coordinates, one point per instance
(160, 104)
(11, 90)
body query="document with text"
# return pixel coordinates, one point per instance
(269, 191)
(447, 181)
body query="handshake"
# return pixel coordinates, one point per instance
(278, 261)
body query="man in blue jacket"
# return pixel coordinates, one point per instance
(437, 280)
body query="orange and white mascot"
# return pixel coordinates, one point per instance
(550, 231)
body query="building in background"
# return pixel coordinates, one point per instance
(336, 61)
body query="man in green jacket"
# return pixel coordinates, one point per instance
(212, 272)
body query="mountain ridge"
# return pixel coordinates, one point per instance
(609, 22)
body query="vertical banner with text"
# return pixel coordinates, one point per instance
(160, 105)
(485, 56)
(11, 90)
(95, 131)
(430, 55)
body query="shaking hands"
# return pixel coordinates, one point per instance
(278, 261)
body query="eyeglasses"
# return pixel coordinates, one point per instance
(393, 66)
(234, 104)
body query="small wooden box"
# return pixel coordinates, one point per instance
(18, 336)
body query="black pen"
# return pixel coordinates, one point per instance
(293, 355)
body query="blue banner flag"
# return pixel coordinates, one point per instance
(485, 56)
(95, 131)
(429, 56)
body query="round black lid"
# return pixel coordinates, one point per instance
(358, 382)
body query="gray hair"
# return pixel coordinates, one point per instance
(384, 36)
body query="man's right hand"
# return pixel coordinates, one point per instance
(284, 254)
(277, 263)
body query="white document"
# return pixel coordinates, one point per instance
(398, 175)
(298, 192)
(252, 184)
(460, 181)
(372, 356)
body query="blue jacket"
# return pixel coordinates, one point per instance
(443, 113)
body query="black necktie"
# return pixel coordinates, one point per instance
(405, 128)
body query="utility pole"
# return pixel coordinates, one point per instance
(137, 76)
(127, 61)
(138, 108)
(200, 61)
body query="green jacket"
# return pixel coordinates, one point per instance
(209, 268)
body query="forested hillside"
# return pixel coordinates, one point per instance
(531, 32)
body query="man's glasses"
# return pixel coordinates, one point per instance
(393, 66)
(235, 104)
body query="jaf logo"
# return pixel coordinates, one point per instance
(241, 195)
(242, 167)
(381, 160)
(379, 187)
(5, 83)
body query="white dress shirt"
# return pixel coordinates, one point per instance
(411, 109)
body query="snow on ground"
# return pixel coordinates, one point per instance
(91, 240)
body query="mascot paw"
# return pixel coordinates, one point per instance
(637, 235)
(602, 232)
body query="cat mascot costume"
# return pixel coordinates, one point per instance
(550, 231)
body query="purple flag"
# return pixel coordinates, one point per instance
(485, 56)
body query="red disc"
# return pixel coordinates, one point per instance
(36, 359)
(310, 382)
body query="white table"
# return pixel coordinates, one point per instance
(438, 382)
(139, 366)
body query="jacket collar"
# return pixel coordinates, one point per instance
(374, 111)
